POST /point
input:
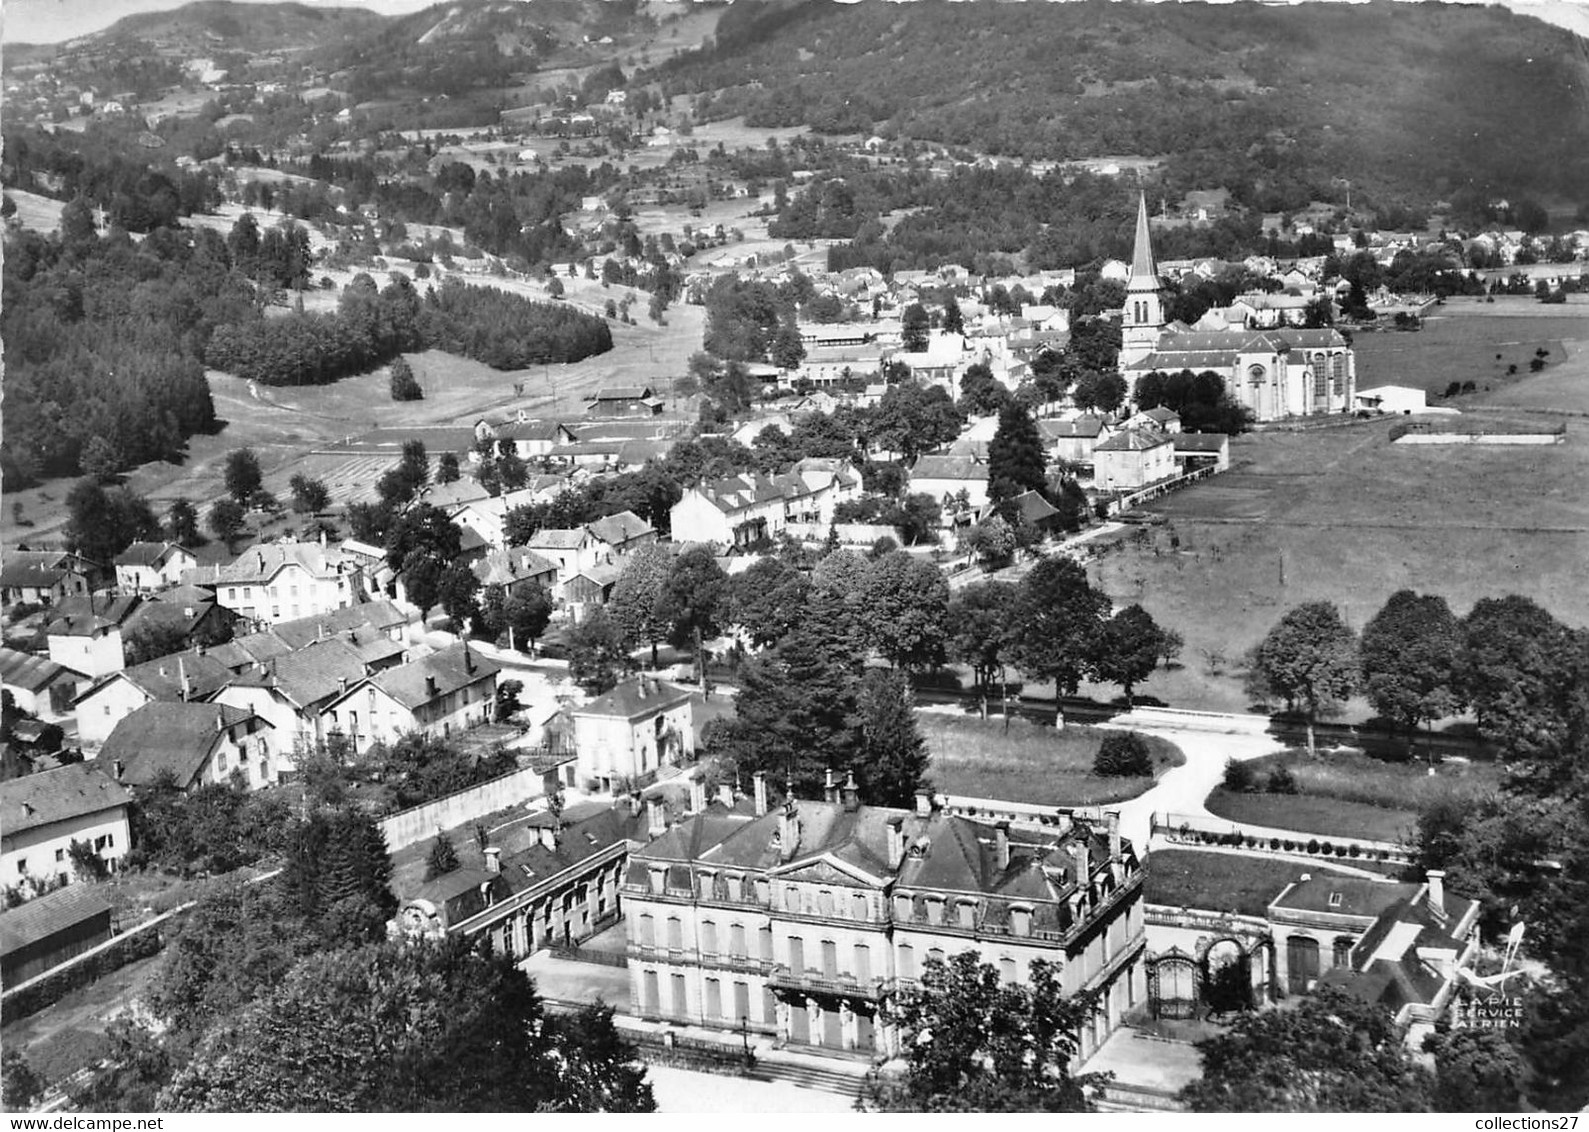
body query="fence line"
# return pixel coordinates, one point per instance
(406, 827)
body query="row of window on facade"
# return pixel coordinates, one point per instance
(101, 843)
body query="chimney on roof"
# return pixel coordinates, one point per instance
(220, 722)
(850, 793)
(343, 680)
(830, 788)
(725, 795)
(1112, 818)
(493, 859)
(468, 658)
(187, 611)
(1077, 848)
(119, 767)
(1437, 890)
(923, 804)
(697, 795)
(760, 780)
(259, 557)
(1001, 843)
(322, 538)
(788, 830)
(353, 636)
(430, 688)
(896, 841)
(182, 679)
(657, 814)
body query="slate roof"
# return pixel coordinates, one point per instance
(586, 831)
(177, 737)
(261, 563)
(161, 678)
(736, 493)
(454, 494)
(948, 468)
(406, 683)
(80, 614)
(1159, 415)
(1084, 427)
(534, 430)
(1358, 897)
(49, 796)
(558, 538)
(311, 674)
(1135, 440)
(515, 564)
(31, 672)
(616, 530)
(33, 568)
(152, 554)
(376, 616)
(1200, 441)
(43, 916)
(629, 701)
(184, 618)
(1034, 508)
(621, 393)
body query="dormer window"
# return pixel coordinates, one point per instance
(1335, 900)
(968, 914)
(1021, 921)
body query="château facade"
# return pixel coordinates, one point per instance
(796, 921)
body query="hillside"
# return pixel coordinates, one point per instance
(1407, 101)
(210, 26)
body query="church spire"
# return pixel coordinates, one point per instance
(1142, 266)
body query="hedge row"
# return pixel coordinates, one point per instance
(1312, 846)
(140, 943)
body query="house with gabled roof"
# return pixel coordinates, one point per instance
(291, 691)
(43, 577)
(740, 511)
(41, 815)
(285, 580)
(195, 744)
(50, 929)
(40, 686)
(181, 677)
(1133, 458)
(148, 566)
(622, 534)
(948, 476)
(516, 569)
(88, 633)
(629, 733)
(624, 401)
(797, 919)
(450, 690)
(1073, 440)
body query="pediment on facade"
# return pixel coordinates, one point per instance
(827, 870)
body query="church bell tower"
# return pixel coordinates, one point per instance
(1144, 308)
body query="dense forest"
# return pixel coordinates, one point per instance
(1283, 105)
(109, 169)
(103, 345)
(371, 327)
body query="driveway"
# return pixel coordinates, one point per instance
(1183, 789)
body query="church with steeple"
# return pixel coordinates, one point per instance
(1272, 373)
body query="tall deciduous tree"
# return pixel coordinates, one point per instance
(308, 495)
(102, 522)
(905, 607)
(974, 1043)
(768, 600)
(914, 328)
(912, 419)
(637, 596)
(226, 520)
(526, 613)
(692, 599)
(1410, 651)
(1061, 617)
(983, 619)
(1128, 648)
(1310, 660)
(597, 658)
(1330, 1053)
(182, 523)
(242, 474)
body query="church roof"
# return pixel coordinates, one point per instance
(1144, 276)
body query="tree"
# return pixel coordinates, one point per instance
(991, 543)
(768, 600)
(404, 386)
(243, 477)
(1512, 670)
(447, 468)
(309, 496)
(981, 394)
(1476, 1071)
(443, 858)
(1310, 660)
(182, 523)
(982, 621)
(438, 1025)
(101, 522)
(1101, 392)
(101, 458)
(974, 1043)
(597, 659)
(692, 600)
(1410, 650)
(150, 640)
(954, 321)
(1016, 463)
(637, 595)
(892, 764)
(22, 1088)
(1123, 754)
(1330, 1053)
(457, 590)
(912, 419)
(1060, 619)
(226, 520)
(420, 545)
(914, 328)
(905, 605)
(526, 613)
(1128, 648)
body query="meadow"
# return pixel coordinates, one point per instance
(1029, 762)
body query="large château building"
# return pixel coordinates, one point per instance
(797, 920)
(1273, 373)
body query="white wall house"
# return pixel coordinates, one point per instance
(631, 731)
(42, 814)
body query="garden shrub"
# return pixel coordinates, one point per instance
(1274, 843)
(1239, 777)
(1123, 754)
(1313, 845)
(1327, 849)
(1352, 850)
(1290, 845)
(1281, 781)
(1340, 850)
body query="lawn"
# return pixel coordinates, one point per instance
(1029, 762)
(1218, 882)
(1312, 814)
(1342, 515)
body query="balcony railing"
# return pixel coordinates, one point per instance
(782, 976)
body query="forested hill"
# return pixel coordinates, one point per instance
(207, 26)
(1409, 101)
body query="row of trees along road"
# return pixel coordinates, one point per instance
(1414, 661)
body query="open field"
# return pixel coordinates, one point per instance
(1461, 340)
(1027, 763)
(70, 1034)
(1218, 882)
(1342, 515)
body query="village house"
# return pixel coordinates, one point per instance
(148, 566)
(450, 690)
(291, 691)
(188, 622)
(89, 633)
(624, 401)
(1132, 459)
(1072, 441)
(283, 581)
(515, 569)
(1194, 450)
(741, 511)
(945, 477)
(572, 548)
(195, 744)
(185, 676)
(50, 929)
(44, 813)
(794, 921)
(42, 577)
(39, 686)
(622, 534)
(626, 735)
